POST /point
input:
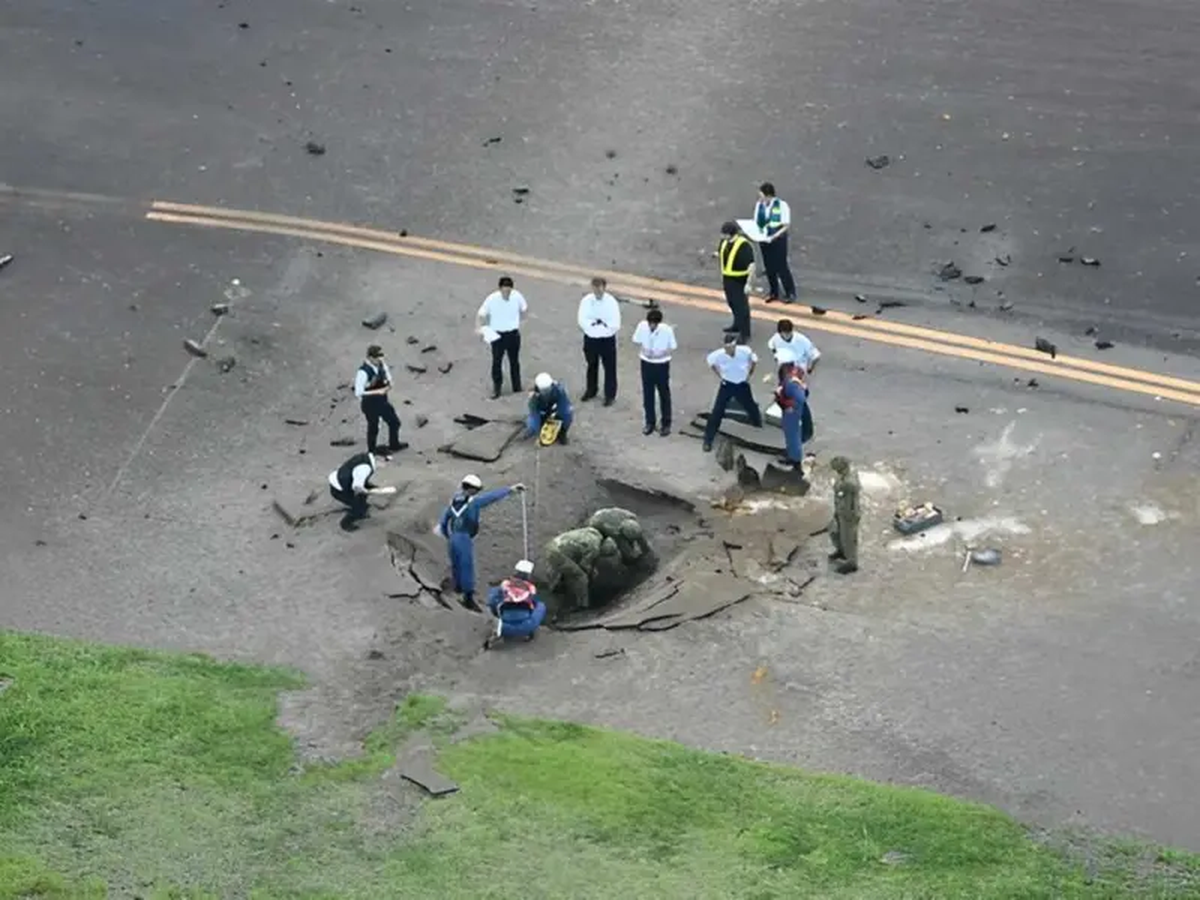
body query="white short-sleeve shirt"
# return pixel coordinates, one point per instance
(734, 369)
(799, 349)
(504, 315)
(657, 345)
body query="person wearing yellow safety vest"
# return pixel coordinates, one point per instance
(773, 218)
(735, 253)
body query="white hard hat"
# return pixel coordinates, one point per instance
(524, 567)
(543, 381)
(472, 481)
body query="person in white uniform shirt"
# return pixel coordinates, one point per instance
(657, 342)
(789, 345)
(499, 318)
(734, 364)
(600, 320)
(350, 485)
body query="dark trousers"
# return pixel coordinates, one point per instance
(735, 296)
(597, 351)
(776, 263)
(356, 504)
(656, 379)
(726, 392)
(376, 408)
(508, 343)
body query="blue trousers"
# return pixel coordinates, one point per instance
(520, 622)
(726, 392)
(536, 420)
(791, 423)
(462, 562)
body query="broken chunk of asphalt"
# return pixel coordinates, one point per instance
(1004, 260)
(1031, 383)
(521, 190)
(890, 304)
(609, 654)
(375, 654)
(243, 25)
(412, 339)
(445, 368)
(6, 260)
(973, 279)
(991, 226)
(818, 310)
(1044, 346)
(422, 421)
(861, 298)
(1091, 331)
(672, 169)
(962, 409)
(1005, 306)
(416, 369)
(879, 162)
(315, 149)
(493, 140)
(859, 317)
(194, 348)
(949, 272)
(1090, 261)
(294, 422)
(610, 154)
(343, 442)
(1104, 345)
(219, 309)
(376, 321)
(226, 364)
(432, 348)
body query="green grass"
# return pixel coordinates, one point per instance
(128, 773)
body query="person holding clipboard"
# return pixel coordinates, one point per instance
(773, 218)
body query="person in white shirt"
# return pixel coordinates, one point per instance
(657, 342)
(734, 364)
(499, 320)
(600, 320)
(774, 218)
(350, 485)
(372, 383)
(789, 345)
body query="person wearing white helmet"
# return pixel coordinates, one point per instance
(549, 400)
(460, 524)
(515, 603)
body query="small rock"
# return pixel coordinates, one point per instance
(991, 226)
(83, 516)
(296, 421)
(1091, 331)
(343, 442)
(1090, 261)
(289, 545)
(243, 25)
(1031, 383)
(375, 654)
(493, 140)
(376, 321)
(315, 149)
(39, 543)
(416, 369)
(302, 451)
(609, 654)
(445, 368)
(403, 232)
(412, 339)
(949, 272)
(859, 317)
(610, 154)
(1104, 345)
(518, 199)
(926, 226)
(262, 487)
(861, 298)
(422, 421)
(1044, 346)
(226, 364)
(521, 190)
(219, 309)
(891, 304)
(974, 279)
(962, 409)
(1066, 258)
(432, 348)
(6, 260)
(879, 162)
(672, 170)
(1004, 260)
(1005, 306)
(987, 557)
(194, 348)
(819, 310)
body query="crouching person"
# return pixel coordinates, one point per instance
(515, 604)
(549, 401)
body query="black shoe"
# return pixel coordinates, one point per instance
(665, 430)
(609, 401)
(772, 299)
(647, 429)
(398, 446)
(590, 395)
(468, 602)
(562, 439)
(349, 525)
(496, 392)
(707, 447)
(517, 389)
(790, 300)
(847, 568)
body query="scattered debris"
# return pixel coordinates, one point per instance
(890, 304)
(1005, 306)
(1066, 257)
(521, 190)
(39, 543)
(1004, 260)
(492, 140)
(403, 232)
(416, 369)
(226, 364)
(375, 654)
(432, 348)
(5, 260)
(1091, 331)
(376, 321)
(1032, 383)
(412, 339)
(219, 309)
(610, 154)
(879, 162)
(243, 25)
(315, 149)
(819, 310)
(194, 348)
(859, 317)
(962, 409)
(422, 421)
(672, 170)
(974, 279)
(343, 442)
(294, 422)
(609, 654)
(1104, 345)
(987, 557)
(421, 773)
(991, 226)
(861, 298)
(1090, 261)
(1044, 346)
(445, 368)
(949, 272)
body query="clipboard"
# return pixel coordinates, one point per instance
(751, 230)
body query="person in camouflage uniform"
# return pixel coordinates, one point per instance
(844, 530)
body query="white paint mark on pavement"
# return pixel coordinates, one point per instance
(998, 456)
(966, 530)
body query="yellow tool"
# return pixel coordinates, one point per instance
(549, 433)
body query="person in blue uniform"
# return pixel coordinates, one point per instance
(792, 396)
(515, 603)
(549, 399)
(460, 524)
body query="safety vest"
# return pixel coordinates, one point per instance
(785, 402)
(728, 254)
(774, 217)
(517, 592)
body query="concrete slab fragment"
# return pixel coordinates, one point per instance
(420, 772)
(486, 443)
(699, 597)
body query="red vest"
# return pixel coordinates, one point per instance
(785, 402)
(518, 592)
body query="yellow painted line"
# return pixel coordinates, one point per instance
(640, 284)
(555, 274)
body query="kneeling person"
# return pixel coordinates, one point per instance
(350, 485)
(515, 604)
(548, 401)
